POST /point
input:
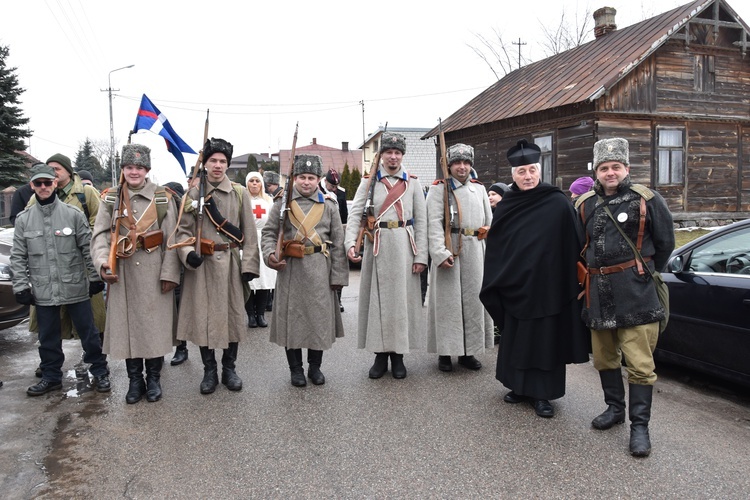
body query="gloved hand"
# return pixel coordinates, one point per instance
(194, 259)
(249, 276)
(25, 297)
(95, 287)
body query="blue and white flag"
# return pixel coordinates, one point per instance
(150, 118)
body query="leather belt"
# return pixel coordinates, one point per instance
(393, 224)
(309, 250)
(465, 231)
(222, 247)
(617, 268)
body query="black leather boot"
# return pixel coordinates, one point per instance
(294, 357)
(180, 354)
(153, 377)
(614, 396)
(380, 366)
(137, 388)
(314, 360)
(250, 310)
(210, 375)
(261, 298)
(269, 305)
(398, 370)
(640, 414)
(229, 377)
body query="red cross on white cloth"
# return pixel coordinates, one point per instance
(259, 211)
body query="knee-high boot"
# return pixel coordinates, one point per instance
(640, 414)
(229, 377)
(294, 357)
(250, 310)
(261, 299)
(153, 378)
(614, 396)
(398, 370)
(137, 388)
(210, 375)
(314, 360)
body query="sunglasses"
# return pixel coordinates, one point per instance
(46, 183)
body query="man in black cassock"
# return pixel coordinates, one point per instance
(530, 285)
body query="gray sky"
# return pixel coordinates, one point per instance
(262, 66)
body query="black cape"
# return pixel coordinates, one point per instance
(530, 270)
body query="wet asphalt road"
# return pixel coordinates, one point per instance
(432, 435)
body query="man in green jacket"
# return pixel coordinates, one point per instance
(52, 268)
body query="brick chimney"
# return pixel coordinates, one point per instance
(604, 21)
(344, 146)
(315, 141)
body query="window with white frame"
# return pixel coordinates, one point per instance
(670, 156)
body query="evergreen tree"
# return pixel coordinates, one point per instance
(252, 164)
(12, 123)
(346, 177)
(354, 183)
(86, 159)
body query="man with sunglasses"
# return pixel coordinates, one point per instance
(52, 268)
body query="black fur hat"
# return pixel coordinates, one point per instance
(217, 146)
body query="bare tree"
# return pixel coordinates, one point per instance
(567, 35)
(502, 57)
(496, 54)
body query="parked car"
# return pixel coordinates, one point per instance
(11, 312)
(709, 299)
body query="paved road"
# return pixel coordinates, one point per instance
(430, 435)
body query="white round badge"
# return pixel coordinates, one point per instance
(67, 231)
(622, 217)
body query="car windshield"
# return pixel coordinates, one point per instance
(729, 253)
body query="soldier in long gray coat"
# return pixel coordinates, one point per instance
(390, 300)
(212, 305)
(306, 313)
(458, 323)
(140, 300)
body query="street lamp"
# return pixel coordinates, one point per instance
(112, 166)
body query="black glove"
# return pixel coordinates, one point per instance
(194, 259)
(249, 276)
(95, 287)
(25, 297)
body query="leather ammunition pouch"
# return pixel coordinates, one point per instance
(150, 240)
(207, 246)
(293, 248)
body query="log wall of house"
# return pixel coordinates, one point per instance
(574, 146)
(745, 169)
(712, 167)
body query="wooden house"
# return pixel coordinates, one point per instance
(677, 86)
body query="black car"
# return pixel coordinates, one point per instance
(11, 312)
(709, 300)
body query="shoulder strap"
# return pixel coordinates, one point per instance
(162, 197)
(238, 188)
(642, 190)
(585, 196)
(82, 199)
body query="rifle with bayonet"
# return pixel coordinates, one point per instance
(114, 228)
(367, 223)
(200, 171)
(448, 213)
(286, 198)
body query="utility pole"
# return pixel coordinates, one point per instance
(112, 166)
(519, 50)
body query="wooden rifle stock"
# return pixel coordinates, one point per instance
(286, 198)
(447, 212)
(115, 227)
(200, 171)
(367, 224)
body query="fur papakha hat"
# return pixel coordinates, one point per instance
(271, 177)
(615, 149)
(459, 152)
(523, 153)
(308, 164)
(392, 140)
(217, 146)
(136, 154)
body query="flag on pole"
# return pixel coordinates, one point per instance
(150, 118)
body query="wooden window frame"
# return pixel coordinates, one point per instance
(658, 149)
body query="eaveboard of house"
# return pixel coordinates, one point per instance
(677, 86)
